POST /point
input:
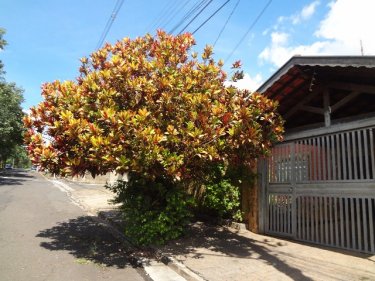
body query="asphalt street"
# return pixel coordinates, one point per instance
(44, 236)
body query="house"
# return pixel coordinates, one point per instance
(318, 185)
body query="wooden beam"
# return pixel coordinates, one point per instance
(344, 101)
(307, 99)
(327, 108)
(344, 125)
(313, 109)
(352, 87)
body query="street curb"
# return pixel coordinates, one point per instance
(181, 269)
(169, 261)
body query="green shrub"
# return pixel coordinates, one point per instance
(221, 195)
(154, 211)
(222, 198)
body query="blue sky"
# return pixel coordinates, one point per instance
(46, 39)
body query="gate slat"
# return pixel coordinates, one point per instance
(321, 221)
(271, 166)
(359, 228)
(364, 224)
(277, 168)
(372, 154)
(314, 153)
(330, 220)
(336, 243)
(284, 213)
(317, 221)
(299, 227)
(274, 212)
(333, 149)
(325, 220)
(366, 154)
(308, 148)
(342, 244)
(371, 224)
(354, 236)
(354, 148)
(324, 158)
(310, 219)
(303, 217)
(339, 160)
(360, 155)
(312, 210)
(329, 166)
(289, 214)
(318, 147)
(349, 150)
(347, 223)
(344, 159)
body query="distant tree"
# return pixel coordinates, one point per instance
(19, 157)
(3, 43)
(11, 114)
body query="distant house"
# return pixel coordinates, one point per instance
(319, 184)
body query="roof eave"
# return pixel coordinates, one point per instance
(355, 61)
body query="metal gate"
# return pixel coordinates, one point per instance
(321, 189)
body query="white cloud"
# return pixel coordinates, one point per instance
(279, 38)
(346, 24)
(248, 82)
(305, 14)
(309, 10)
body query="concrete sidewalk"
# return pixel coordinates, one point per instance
(221, 253)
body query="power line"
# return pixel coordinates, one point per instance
(191, 12)
(161, 15)
(110, 21)
(174, 14)
(250, 28)
(211, 16)
(182, 30)
(225, 24)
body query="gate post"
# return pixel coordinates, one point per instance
(293, 194)
(262, 185)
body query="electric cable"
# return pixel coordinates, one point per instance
(199, 27)
(161, 15)
(182, 30)
(191, 12)
(174, 14)
(226, 23)
(109, 23)
(249, 29)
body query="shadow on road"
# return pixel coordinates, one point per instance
(89, 241)
(223, 241)
(14, 177)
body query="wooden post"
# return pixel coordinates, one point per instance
(327, 108)
(251, 197)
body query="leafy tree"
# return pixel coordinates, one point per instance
(11, 114)
(149, 107)
(19, 157)
(3, 43)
